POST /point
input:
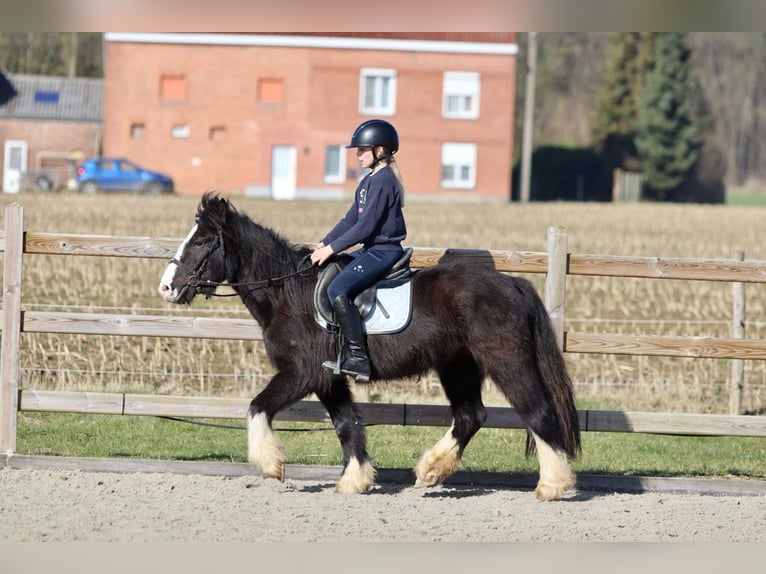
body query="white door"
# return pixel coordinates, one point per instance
(14, 164)
(283, 172)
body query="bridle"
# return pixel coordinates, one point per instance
(193, 280)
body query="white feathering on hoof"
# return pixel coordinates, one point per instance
(264, 450)
(356, 478)
(439, 462)
(556, 475)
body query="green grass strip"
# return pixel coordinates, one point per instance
(500, 450)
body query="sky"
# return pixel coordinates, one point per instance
(381, 16)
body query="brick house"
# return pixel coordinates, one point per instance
(268, 115)
(47, 125)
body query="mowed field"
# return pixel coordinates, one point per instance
(238, 368)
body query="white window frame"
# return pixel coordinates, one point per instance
(382, 100)
(461, 157)
(462, 93)
(338, 176)
(180, 131)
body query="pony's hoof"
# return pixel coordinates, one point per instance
(274, 471)
(357, 478)
(436, 466)
(430, 479)
(348, 487)
(427, 478)
(550, 492)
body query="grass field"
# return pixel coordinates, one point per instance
(746, 198)
(498, 450)
(236, 368)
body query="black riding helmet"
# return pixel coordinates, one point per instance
(375, 132)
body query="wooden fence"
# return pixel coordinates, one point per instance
(556, 263)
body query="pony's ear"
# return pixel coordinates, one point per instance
(221, 210)
(213, 210)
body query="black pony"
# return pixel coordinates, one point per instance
(468, 322)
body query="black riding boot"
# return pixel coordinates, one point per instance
(356, 362)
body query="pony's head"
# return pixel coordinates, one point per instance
(199, 265)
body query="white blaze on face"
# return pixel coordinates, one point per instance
(165, 287)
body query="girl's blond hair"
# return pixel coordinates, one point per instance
(391, 161)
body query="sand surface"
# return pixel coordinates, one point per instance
(65, 505)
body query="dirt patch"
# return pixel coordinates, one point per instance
(65, 505)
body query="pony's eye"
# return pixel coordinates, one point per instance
(198, 242)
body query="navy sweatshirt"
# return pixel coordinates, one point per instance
(375, 219)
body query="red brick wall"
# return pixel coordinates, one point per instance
(79, 139)
(321, 88)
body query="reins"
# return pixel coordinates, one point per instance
(261, 284)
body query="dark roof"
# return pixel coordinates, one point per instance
(7, 91)
(55, 98)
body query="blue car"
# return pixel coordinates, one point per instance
(118, 174)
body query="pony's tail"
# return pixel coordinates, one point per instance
(553, 371)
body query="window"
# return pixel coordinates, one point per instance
(270, 91)
(173, 87)
(126, 167)
(377, 92)
(335, 164)
(461, 95)
(216, 133)
(459, 165)
(137, 131)
(180, 131)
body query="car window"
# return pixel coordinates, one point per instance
(128, 167)
(104, 166)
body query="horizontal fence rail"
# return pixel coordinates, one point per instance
(381, 413)
(557, 263)
(506, 261)
(665, 346)
(139, 325)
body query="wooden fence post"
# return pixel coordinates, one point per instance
(738, 332)
(9, 349)
(556, 280)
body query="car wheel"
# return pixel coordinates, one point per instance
(43, 183)
(154, 188)
(89, 187)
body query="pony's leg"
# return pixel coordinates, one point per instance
(358, 474)
(264, 450)
(556, 475)
(462, 383)
(527, 394)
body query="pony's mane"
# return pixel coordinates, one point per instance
(276, 255)
(220, 214)
(214, 210)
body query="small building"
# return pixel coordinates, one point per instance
(269, 115)
(48, 125)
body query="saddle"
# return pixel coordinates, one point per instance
(385, 307)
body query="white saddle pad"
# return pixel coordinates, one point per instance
(390, 314)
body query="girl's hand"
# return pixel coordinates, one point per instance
(321, 254)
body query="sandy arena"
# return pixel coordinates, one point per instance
(71, 505)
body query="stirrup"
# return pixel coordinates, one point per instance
(337, 369)
(334, 366)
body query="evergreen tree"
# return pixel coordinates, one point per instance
(631, 56)
(666, 129)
